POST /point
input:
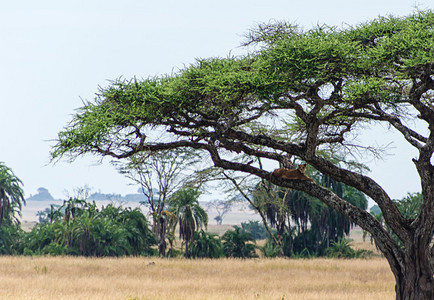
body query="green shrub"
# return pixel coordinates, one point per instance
(237, 243)
(206, 245)
(341, 249)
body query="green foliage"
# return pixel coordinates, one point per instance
(361, 63)
(190, 215)
(54, 249)
(257, 229)
(303, 245)
(10, 239)
(321, 53)
(384, 46)
(40, 237)
(306, 243)
(315, 224)
(157, 100)
(341, 249)
(270, 249)
(238, 243)
(205, 245)
(409, 206)
(11, 196)
(326, 223)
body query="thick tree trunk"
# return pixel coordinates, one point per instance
(410, 265)
(415, 280)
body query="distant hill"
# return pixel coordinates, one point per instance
(134, 197)
(139, 196)
(118, 197)
(42, 195)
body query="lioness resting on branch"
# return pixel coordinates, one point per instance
(292, 174)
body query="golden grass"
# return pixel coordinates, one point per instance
(151, 278)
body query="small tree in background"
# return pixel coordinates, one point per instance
(159, 176)
(222, 207)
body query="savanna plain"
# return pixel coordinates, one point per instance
(153, 278)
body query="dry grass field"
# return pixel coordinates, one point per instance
(151, 278)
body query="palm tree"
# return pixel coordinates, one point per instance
(191, 217)
(11, 195)
(137, 234)
(341, 249)
(81, 233)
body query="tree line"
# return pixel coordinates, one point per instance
(79, 227)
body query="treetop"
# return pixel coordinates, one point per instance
(337, 75)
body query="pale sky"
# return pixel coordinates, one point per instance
(55, 53)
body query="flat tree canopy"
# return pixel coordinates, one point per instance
(300, 94)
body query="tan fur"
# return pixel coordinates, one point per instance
(292, 174)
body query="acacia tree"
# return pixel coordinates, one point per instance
(299, 93)
(222, 207)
